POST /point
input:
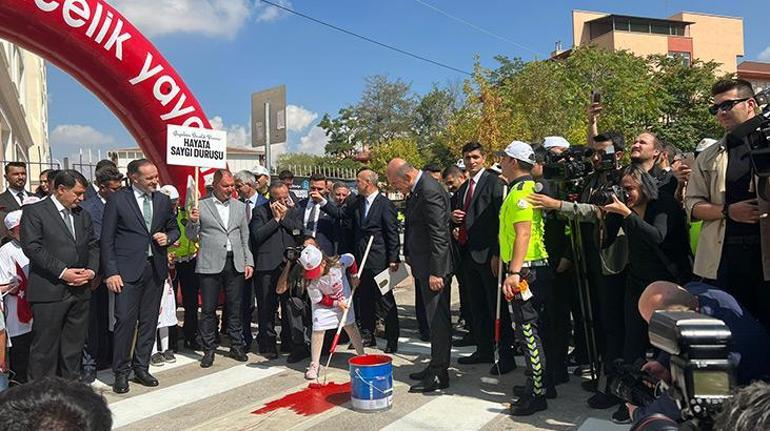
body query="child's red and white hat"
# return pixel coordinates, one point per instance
(310, 259)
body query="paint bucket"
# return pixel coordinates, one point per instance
(371, 383)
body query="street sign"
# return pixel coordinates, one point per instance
(192, 146)
(276, 99)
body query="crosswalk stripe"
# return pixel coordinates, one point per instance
(105, 378)
(450, 413)
(162, 400)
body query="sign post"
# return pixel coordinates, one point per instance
(268, 120)
(201, 148)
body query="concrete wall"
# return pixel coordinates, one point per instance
(580, 32)
(717, 38)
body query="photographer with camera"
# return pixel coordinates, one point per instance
(733, 250)
(748, 350)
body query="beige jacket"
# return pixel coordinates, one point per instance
(707, 184)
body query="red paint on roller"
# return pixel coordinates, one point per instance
(310, 401)
(369, 360)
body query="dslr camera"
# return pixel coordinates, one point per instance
(702, 376)
(573, 164)
(292, 253)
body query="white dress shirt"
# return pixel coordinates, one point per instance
(309, 209)
(417, 180)
(476, 178)
(66, 216)
(369, 202)
(223, 209)
(15, 194)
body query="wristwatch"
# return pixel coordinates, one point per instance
(725, 211)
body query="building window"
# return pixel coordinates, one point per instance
(640, 26)
(686, 57)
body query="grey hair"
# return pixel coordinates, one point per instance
(245, 176)
(747, 409)
(370, 175)
(339, 185)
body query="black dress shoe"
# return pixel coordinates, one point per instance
(601, 401)
(238, 354)
(475, 358)
(371, 342)
(286, 348)
(503, 366)
(88, 376)
(192, 345)
(424, 337)
(529, 406)
(420, 375)
(464, 342)
(121, 384)
(297, 355)
(208, 359)
(430, 383)
(145, 379)
(391, 348)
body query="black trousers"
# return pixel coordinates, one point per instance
(557, 308)
(371, 303)
(740, 274)
(297, 321)
(59, 332)
(137, 308)
(637, 338)
(267, 306)
(188, 280)
(18, 356)
(482, 288)
(419, 310)
(466, 309)
(231, 281)
(613, 310)
(96, 350)
(439, 318)
(532, 330)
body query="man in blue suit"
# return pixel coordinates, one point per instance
(138, 226)
(109, 180)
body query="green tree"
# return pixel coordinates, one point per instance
(405, 148)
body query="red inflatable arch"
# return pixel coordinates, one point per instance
(94, 43)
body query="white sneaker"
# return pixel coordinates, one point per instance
(312, 371)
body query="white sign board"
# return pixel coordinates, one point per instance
(190, 146)
(387, 280)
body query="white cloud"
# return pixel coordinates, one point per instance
(79, 135)
(765, 55)
(212, 18)
(314, 142)
(298, 118)
(267, 13)
(238, 135)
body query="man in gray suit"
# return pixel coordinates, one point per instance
(221, 226)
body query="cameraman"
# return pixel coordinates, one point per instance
(295, 302)
(605, 266)
(750, 345)
(733, 250)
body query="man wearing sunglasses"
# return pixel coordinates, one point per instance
(734, 246)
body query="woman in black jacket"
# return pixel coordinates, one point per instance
(656, 227)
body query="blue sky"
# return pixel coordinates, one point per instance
(248, 47)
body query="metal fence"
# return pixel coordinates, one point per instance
(332, 173)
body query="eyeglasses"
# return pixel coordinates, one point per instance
(726, 106)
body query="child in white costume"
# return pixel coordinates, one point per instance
(329, 293)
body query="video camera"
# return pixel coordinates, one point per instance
(759, 140)
(292, 253)
(702, 376)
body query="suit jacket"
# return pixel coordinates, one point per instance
(7, 204)
(95, 208)
(48, 243)
(270, 238)
(324, 232)
(427, 236)
(381, 221)
(125, 237)
(210, 232)
(483, 215)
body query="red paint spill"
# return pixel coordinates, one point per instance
(368, 360)
(310, 401)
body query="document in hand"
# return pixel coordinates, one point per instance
(387, 280)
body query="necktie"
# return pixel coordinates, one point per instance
(21, 197)
(248, 209)
(310, 226)
(366, 208)
(463, 236)
(68, 221)
(147, 213)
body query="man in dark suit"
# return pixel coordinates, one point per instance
(14, 195)
(372, 214)
(274, 227)
(343, 228)
(93, 189)
(109, 180)
(429, 254)
(138, 226)
(475, 211)
(315, 222)
(58, 237)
